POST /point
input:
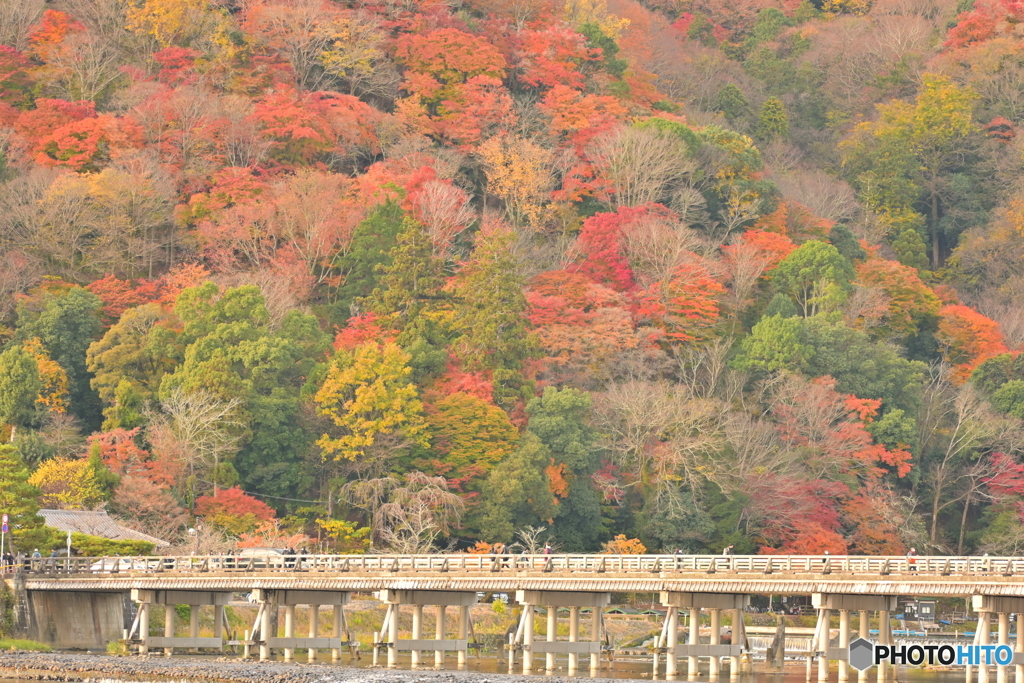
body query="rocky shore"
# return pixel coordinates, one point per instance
(72, 667)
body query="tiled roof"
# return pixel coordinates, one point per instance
(95, 523)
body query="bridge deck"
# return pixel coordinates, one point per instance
(933, 576)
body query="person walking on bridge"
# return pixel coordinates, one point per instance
(912, 560)
(727, 550)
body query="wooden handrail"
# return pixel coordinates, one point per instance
(850, 565)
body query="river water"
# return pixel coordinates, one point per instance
(491, 670)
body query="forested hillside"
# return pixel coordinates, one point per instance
(435, 273)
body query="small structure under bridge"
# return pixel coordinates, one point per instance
(68, 601)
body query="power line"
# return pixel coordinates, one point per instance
(267, 495)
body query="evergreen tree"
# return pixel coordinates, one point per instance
(490, 313)
(559, 418)
(517, 492)
(19, 387)
(780, 305)
(848, 245)
(772, 122)
(732, 103)
(412, 283)
(910, 249)
(68, 323)
(18, 498)
(368, 254)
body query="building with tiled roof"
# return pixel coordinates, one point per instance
(95, 523)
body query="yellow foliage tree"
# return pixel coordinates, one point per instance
(620, 545)
(175, 22)
(355, 52)
(859, 7)
(578, 12)
(345, 536)
(67, 484)
(519, 173)
(54, 393)
(368, 395)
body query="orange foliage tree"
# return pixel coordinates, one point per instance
(967, 338)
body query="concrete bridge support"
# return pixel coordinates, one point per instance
(417, 644)
(693, 649)
(169, 599)
(73, 619)
(265, 634)
(551, 646)
(844, 604)
(1002, 607)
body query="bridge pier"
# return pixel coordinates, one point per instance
(826, 603)
(1002, 607)
(314, 624)
(551, 646)
(1018, 649)
(289, 631)
(844, 644)
(270, 600)
(863, 626)
(1004, 639)
(693, 650)
(417, 598)
(143, 628)
(716, 639)
(169, 599)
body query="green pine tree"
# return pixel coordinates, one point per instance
(490, 313)
(732, 103)
(411, 283)
(846, 242)
(772, 122)
(18, 498)
(371, 245)
(910, 249)
(19, 387)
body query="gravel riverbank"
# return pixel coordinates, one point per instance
(72, 667)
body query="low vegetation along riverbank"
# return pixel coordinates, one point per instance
(70, 667)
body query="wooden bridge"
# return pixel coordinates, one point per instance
(687, 583)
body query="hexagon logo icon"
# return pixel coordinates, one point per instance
(861, 655)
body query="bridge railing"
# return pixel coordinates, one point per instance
(385, 565)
